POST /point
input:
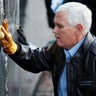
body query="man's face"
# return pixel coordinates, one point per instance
(65, 33)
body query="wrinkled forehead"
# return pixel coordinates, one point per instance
(61, 16)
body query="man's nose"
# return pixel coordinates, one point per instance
(55, 30)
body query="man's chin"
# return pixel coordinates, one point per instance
(59, 44)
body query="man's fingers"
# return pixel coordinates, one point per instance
(8, 36)
(5, 44)
(5, 24)
(4, 30)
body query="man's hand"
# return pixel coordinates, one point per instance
(1, 34)
(8, 44)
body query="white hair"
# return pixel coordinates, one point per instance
(78, 13)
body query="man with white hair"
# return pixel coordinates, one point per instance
(71, 59)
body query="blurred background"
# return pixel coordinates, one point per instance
(31, 16)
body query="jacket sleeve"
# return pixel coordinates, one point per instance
(32, 60)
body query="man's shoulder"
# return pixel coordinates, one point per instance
(92, 47)
(52, 47)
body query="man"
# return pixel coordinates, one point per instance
(71, 59)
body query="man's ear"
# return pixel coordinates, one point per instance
(79, 28)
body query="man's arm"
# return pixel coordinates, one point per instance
(27, 58)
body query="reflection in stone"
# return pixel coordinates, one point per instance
(9, 10)
(1, 11)
(23, 4)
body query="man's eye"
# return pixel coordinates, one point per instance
(60, 26)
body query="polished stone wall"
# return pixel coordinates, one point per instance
(8, 9)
